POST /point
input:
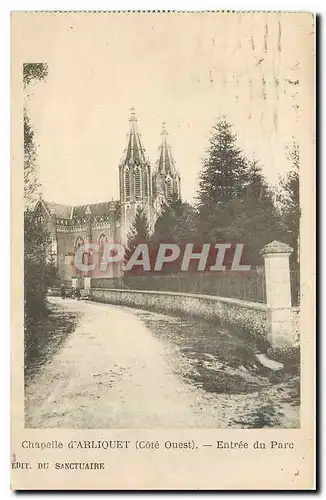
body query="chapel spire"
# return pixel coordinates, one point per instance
(165, 164)
(166, 175)
(135, 178)
(135, 151)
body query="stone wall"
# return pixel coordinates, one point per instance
(246, 317)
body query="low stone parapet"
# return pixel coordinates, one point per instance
(247, 317)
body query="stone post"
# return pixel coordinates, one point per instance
(87, 282)
(74, 282)
(278, 291)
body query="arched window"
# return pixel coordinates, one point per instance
(169, 189)
(127, 183)
(78, 243)
(102, 241)
(146, 183)
(137, 183)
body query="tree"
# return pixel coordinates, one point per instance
(255, 221)
(32, 72)
(37, 271)
(289, 199)
(176, 224)
(139, 233)
(31, 183)
(224, 177)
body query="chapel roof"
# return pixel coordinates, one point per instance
(70, 212)
(60, 210)
(94, 209)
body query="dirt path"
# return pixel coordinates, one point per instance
(127, 368)
(110, 372)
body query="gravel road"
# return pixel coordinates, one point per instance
(114, 371)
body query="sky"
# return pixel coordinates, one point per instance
(186, 70)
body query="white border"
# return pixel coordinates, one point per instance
(5, 8)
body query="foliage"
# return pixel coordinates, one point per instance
(224, 177)
(139, 233)
(39, 273)
(34, 72)
(176, 224)
(31, 183)
(235, 203)
(290, 201)
(118, 210)
(254, 218)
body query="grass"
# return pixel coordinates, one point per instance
(44, 336)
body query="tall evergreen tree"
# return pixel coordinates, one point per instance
(224, 177)
(139, 233)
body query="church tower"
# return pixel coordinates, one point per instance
(135, 179)
(166, 178)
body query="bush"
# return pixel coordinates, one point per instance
(39, 274)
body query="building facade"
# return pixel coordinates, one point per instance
(140, 185)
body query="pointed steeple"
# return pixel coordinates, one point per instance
(166, 177)
(135, 151)
(135, 179)
(165, 163)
